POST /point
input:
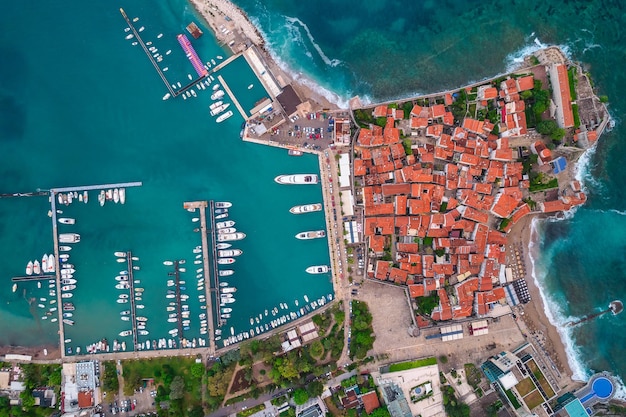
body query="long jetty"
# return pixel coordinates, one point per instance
(145, 49)
(232, 97)
(201, 206)
(131, 286)
(94, 187)
(55, 238)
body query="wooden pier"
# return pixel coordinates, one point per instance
(27, 278)
(201, 206)
(232, 97)
(131, 296)
(224, 63)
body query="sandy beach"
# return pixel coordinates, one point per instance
(538, 327)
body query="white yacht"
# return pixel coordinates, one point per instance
(226, 237)
(318, 269)
(297, 179)
(217, 95)
(219, 109)
(66, 220)
(313, 234)
(224, 116)
(306, 208)
(227, 253)
(69, 238)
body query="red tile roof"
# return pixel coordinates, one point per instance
(380, 111)
(504, 205)
(370, 401)
(525, 83)
(566, 98)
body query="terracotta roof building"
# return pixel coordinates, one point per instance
(561, 95)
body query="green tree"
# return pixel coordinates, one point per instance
(197, 370)
(547, 127)
(317, 349)
(558, 134)
(300, 396)
(315, 388)
(196, 412)
(177, 388)
(54, 379)
(28, 400)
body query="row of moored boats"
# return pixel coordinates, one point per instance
(116, 195)
(47, 265)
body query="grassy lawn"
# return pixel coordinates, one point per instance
(533, 399)
(513, 399)
(525, 386)
(541, 378)
(163, 371)
(403, 366)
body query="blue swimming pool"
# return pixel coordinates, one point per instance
(601, 387)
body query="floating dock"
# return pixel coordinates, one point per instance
(192, 55)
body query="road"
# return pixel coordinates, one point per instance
(330, 189)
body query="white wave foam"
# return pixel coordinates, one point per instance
(327, 61)
(620, 392)
(531, 45)
(299, 76)
(583, 170)
(555, 315)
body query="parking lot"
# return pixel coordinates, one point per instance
(141, 404)
(313, 131)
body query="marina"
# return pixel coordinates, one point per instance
(90, 233)
(55, 234)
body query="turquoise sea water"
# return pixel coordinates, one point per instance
(80, 105)
(387, 49)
